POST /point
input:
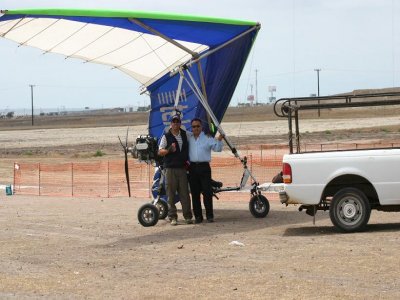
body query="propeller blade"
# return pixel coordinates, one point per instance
(125, 147)
(127, 172)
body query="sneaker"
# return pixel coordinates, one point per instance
(188, 221)
(210, 220)
(198, 221)
(174, 222)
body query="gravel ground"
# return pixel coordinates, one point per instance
(74, 248)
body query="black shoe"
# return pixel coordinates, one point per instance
(198, 221)
(210, 220)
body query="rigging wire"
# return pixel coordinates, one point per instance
(294, 46)
(246, 92)
(393, 46)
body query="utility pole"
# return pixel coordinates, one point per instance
(318, 70)
(31, 85)
(256, 89)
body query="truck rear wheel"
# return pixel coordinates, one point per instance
(350, 210)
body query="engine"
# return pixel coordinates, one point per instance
(146, 149)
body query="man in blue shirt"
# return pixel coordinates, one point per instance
(200, 146)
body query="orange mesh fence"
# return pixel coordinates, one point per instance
(26, 178)
(230, 170)
(101, 179)
(347, 146)
(107, 178)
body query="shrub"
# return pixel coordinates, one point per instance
(99, 153)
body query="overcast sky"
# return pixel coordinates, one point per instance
(355, 43)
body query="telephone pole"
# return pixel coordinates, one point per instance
(31, 85)
(318, 70)
(256, 89)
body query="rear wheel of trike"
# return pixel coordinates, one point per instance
(162, 207)
(148, 215)
(259, 206)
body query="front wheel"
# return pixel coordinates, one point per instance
(350, 210)
(162, 207)
(148, 215)
(259, 206)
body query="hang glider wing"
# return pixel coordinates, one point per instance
(147, 46)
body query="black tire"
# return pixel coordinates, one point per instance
(259, 206)
(162, 207)
(350, 210)
(148, 215)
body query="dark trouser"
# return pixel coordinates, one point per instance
(176, 181)
(200, 182)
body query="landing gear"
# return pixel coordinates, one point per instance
(162, 207)
(259, 206)
(148, 215)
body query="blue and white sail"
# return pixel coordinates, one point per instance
(148, 46)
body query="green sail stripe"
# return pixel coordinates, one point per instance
(109, 13)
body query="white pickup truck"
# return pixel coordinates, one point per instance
(347, 183)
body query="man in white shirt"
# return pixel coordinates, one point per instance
(200, 146)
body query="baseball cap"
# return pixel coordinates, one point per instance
(176, 117)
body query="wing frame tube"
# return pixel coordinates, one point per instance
(208, 109)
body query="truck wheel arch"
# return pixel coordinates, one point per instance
(354, 181)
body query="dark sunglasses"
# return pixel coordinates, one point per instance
(196, 126)
(176, 121)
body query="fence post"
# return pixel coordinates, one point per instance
(150, 183)
(39, 177)
(251, 165)
(108, 179)
(14, 176)
(72, 179)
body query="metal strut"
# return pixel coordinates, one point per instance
(203, 101)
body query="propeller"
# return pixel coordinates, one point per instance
(125, 147)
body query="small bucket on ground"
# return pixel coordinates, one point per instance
(9, 190)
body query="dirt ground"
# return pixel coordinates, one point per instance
(74, 248)
(92, 248)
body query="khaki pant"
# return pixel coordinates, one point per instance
(176, 181)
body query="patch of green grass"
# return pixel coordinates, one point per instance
(384, 129)
(99, 153)
(28, 153)
(328, 132)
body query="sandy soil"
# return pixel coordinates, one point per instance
(109, 135)
(74, 248)
(94, 248)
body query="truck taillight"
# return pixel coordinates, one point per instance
(287, 173)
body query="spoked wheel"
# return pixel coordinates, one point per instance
(148, 215)
(259, 206)
(162, 207)
(350, 210)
